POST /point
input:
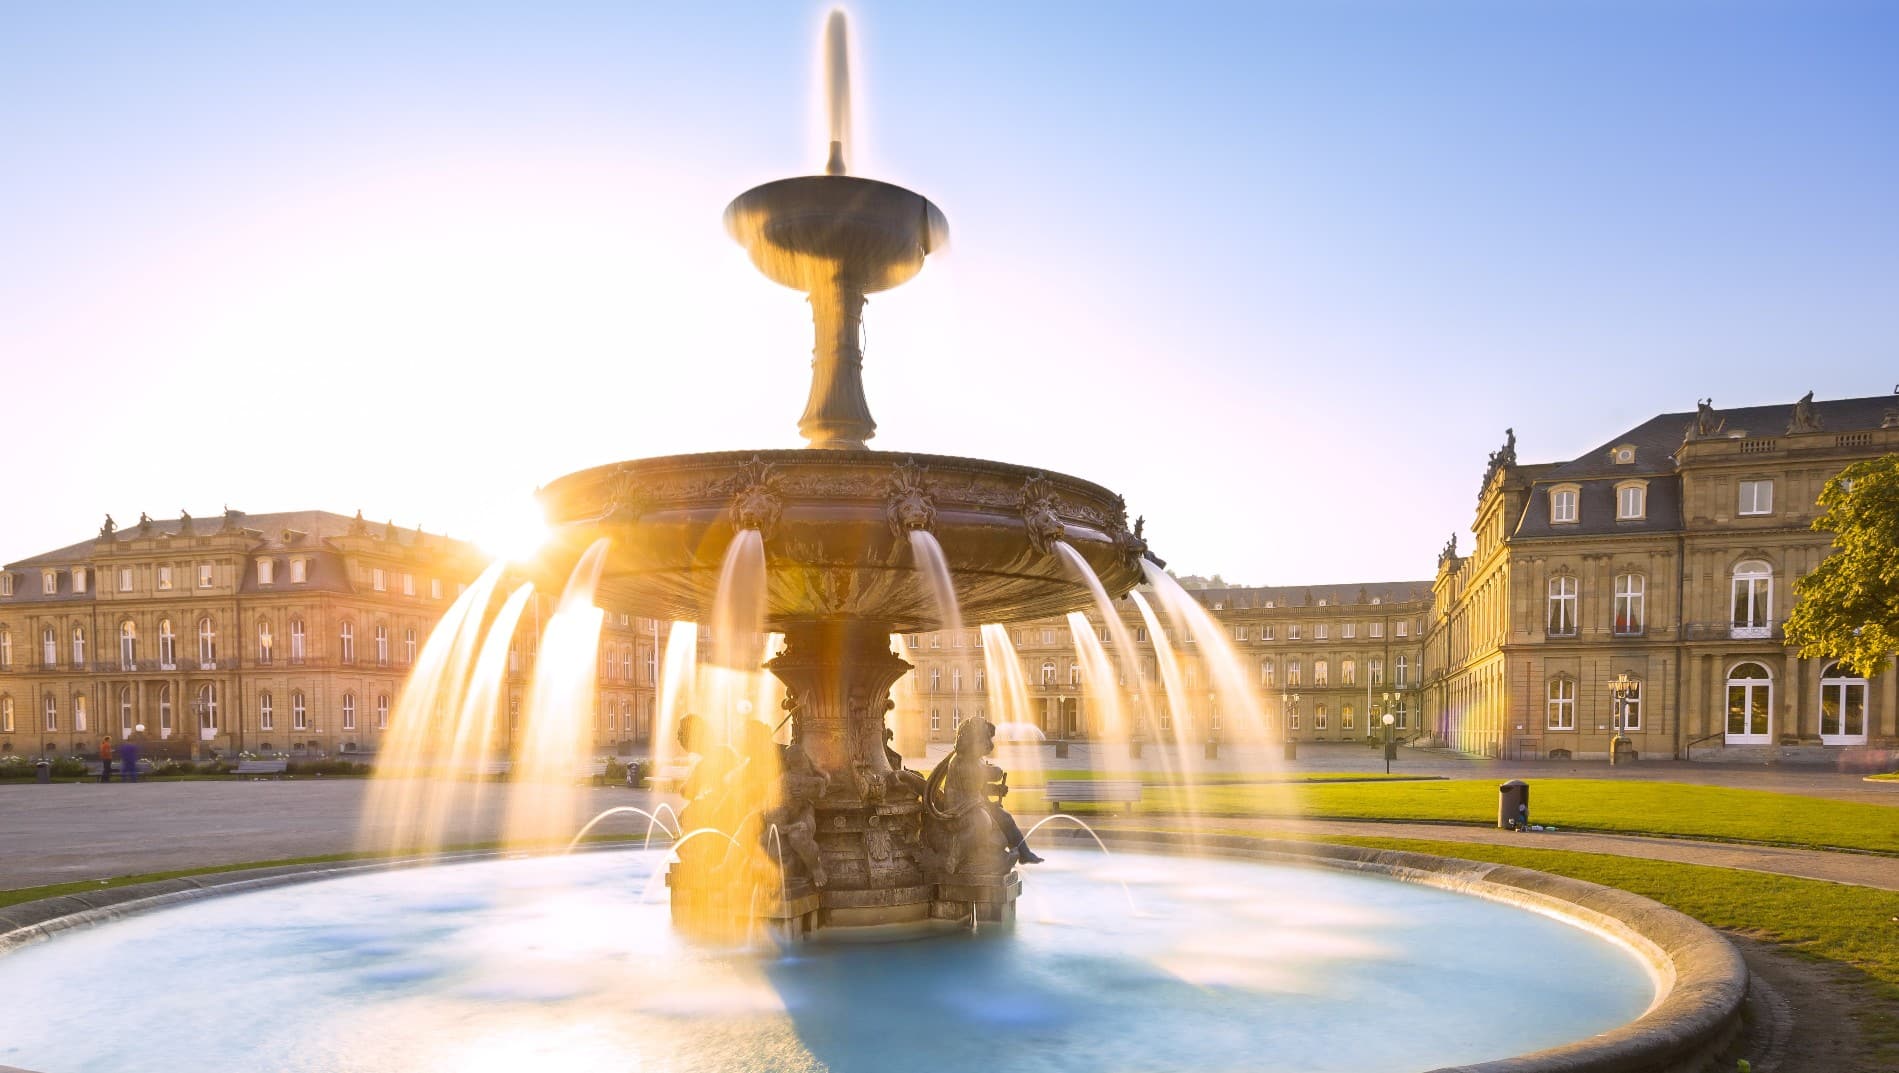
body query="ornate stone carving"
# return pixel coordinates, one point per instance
(756, 500)
(626, 498)
(1501, 458)
(966, 824)
(908, 499)
(1804, 417)
(1039, 505)
(1706, 423)
(184, 523)
(110, 527)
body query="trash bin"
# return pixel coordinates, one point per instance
(42, 771)
(1061, 748)
(1513, 805)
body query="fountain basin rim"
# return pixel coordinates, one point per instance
(1697, 1012)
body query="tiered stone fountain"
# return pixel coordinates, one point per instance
(835, 519)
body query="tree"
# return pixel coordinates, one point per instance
(1848, 607)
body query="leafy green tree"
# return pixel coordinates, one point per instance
(1848, 608)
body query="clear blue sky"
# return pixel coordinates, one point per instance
(1280, 272)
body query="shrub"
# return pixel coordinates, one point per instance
(68, 767)
(15, 767)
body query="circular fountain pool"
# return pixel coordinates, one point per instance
(1126, 962)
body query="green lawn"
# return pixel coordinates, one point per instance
(1656, 808)
(1028, 779)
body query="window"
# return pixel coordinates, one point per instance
(1048, 674)
(1631, 502)
(1239, 633)
(1400, 672)
(299, 571)
(382, 644)
(6, 584)
(1348, 671)
(408, 588)
(1562, 621)
(128, 646)
(1074, 673)
(1403, 716)
(1377, 668)
(299, 714)
(378, 580)
(626, 656)
(1631, 707)
(1376, 629)
(49, 582)
(1292, 720)
(1563, 506)
(1292, 672)
(382, 713)
(205, 575)
(1265, 633)
(936, 679)
(1562, 704)
(1757, 497)
(51, 713)
(1321, 672)
(349, 711)
(936, 719)
(956, 680)
(79, 646)
(207, 705)
(80, 725)
(266, 571)
(79, 579)
(1048, 637)
(981, 680)
(296, 640)
(1842, 706)
(1630, 603)
(6, 648)
(435, 588)
(164, 576)
(1401, 628)
(207, 642)
(936, 639)
(125, 579)
(1140, 634)
(264, 641)
(1266, 674)
(49, 647)
(1347, 720)
(346, 638)
(1753, 603)
(652, 666)
(1348, 630)
(167, 646)
(164, 711)
(1292, 631)
(6, 715)
(1750, 697)
(1321, 632)
(1319, 721)
(125, 711)
(915, 641)
(1625, 456)
(266, 715)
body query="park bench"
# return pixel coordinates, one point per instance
(595, 773)
(1092, 792)
(260, 767)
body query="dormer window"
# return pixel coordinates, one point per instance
(1631, 501)
(79, 579)
(6, 584)
(1623, 455)
(1563, 504)
(377, 579)
(266, 571)
(49, 582)
(299, 571)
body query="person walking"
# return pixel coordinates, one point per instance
(105, 759)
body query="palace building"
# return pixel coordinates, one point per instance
(1642, 589)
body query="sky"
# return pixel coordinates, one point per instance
(1279, 273)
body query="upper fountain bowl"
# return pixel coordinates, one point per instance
(836, 529)
(807, 231)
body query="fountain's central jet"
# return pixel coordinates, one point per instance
(837, 238)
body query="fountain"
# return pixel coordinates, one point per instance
(840, 528)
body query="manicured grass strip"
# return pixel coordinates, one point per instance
(1214, 778)
(1643, 808)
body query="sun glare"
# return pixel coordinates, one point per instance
(516, 532)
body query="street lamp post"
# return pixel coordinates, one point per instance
(1620, 687)
(1389, 748)
(1287, 713)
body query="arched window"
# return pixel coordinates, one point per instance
(1631, 706)
(299, 713)
(346, 639)
(1376, 667)
(1292, 672)
(1842, 707)
(1750, 700)
(1562, 620)
(49, 647)
(128, 646)
(125, 711)
(79, 646)
(207, 641)
(1267, 674)
(265, 642)
(51, 710)
(349, 711)
(6, 648)
(1048, 674)
(1074, 673)
(79, 713)
(1753, 599)
(1348, 672)
(1319, 718)
(266, 712)
(408, 648)
(382, 711)
(296, 640)
(207, 705)
(1631, 594)
(167, 646)
(382, 644)
(1321, 675)
(6, 715)
(164, 711)
(1562, 704)
(1347, 720)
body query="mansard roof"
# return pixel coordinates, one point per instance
(1253, 597)
(286, 531)
(1656, 439)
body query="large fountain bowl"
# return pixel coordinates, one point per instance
(836, 528)
(806, 231)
